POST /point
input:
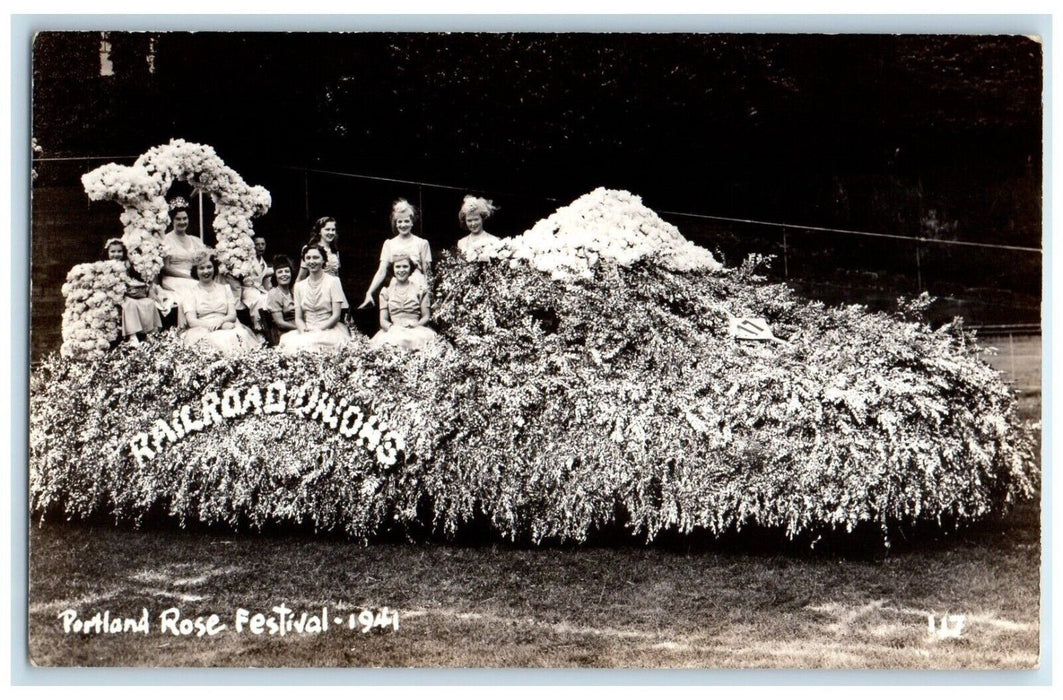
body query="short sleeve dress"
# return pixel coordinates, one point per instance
(210, 303)
(403, 303)
(139, 312)
(253, 289)
(281, 301)
(316, 300)
(179, 252)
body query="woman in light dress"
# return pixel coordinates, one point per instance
(402, 217)
(324, 234)
(472, 216)
(405, 309)
(210, 312)
(280, 301)
(318, 307)
(140, 313)
(179, 252)
(255, 286)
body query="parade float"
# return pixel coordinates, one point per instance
(597, 372)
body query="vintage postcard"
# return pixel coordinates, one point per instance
(516, 349)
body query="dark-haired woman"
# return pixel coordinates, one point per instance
(279, 301)
(319, 303)
(179, 252)
(140, 314)
(210, 312)
(324, 234)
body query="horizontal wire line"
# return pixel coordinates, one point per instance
(774, 224)
(914, 239)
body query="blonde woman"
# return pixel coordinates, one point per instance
(472, 218)
(402, 217)
(404, 309)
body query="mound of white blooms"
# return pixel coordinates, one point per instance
(611, 224)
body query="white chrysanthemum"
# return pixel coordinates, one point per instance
(612, 224)
(93, 293)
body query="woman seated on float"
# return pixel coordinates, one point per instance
(402, 217)
(140, 313)
(472, 216)
(405, 309)
(180, 250)
(318, 307)
(256, 284)
(324, 234)
(280, 304)
(210, 312)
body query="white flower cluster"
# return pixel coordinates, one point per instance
(611, 224)
(141, 190)
(145, 214)
(93, 293)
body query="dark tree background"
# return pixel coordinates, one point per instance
(935, 136)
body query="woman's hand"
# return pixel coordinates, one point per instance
(368, 302)
(228, 325)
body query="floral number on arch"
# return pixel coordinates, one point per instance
(89, 316)
(141, 190)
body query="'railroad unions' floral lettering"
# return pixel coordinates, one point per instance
(309, 401)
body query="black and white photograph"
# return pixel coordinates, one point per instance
(496, 349)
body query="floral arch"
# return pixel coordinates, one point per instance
(92, 290)
(141, 189)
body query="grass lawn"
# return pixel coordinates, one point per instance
(625, 606)
(676, 605)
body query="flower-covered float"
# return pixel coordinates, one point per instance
(590, 375)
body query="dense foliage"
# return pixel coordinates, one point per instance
(552, 408)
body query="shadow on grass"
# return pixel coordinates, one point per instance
(1020, 526)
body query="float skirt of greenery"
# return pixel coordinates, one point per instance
(549, 408)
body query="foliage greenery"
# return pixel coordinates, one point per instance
(552, 409)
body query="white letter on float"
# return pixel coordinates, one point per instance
(191, 426)
(253, 397)
(139, 447)
(231, 406)
(210, 409)
(161, 432)
(275, 395)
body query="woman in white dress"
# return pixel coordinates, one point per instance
(402, 217)
(140, 314)
(180, 250)
(405, 309)
(472, 216)
(318, 307)
(210, 312)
